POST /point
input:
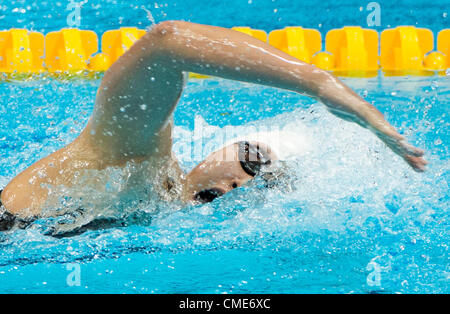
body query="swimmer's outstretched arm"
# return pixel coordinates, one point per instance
(138, 94)
(173, 47)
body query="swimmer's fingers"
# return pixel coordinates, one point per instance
(417, 163)
(400, 146)
(412, 150)
(395, 140)
(412, 155)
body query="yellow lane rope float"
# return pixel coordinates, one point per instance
(350, 51)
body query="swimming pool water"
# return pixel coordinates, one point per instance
(359, 220)
(357, 207)
(102, 15)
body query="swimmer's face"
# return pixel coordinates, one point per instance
(225, 170)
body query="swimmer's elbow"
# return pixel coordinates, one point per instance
(162, 34)
(166, 28)
(157, 40)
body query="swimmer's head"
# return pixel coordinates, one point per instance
(227, 169)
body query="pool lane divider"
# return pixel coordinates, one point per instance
(21, 51)
(114, 44)
(404, 49)
(301, 43)
(69, 50)
(350, 51)
(444, 46)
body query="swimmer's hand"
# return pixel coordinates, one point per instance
(367, 116)
(399, 145)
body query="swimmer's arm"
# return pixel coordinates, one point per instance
(150, 73)
(232, 55)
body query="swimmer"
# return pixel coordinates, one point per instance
(132, 117)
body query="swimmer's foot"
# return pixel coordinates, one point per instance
(412, 155)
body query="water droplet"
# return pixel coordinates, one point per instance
(434, 85)
(41, 174)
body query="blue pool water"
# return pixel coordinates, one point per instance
(356, 203)
(102, 15)
(358, 221)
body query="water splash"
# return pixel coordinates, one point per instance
(149, 17)
(355, 203)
